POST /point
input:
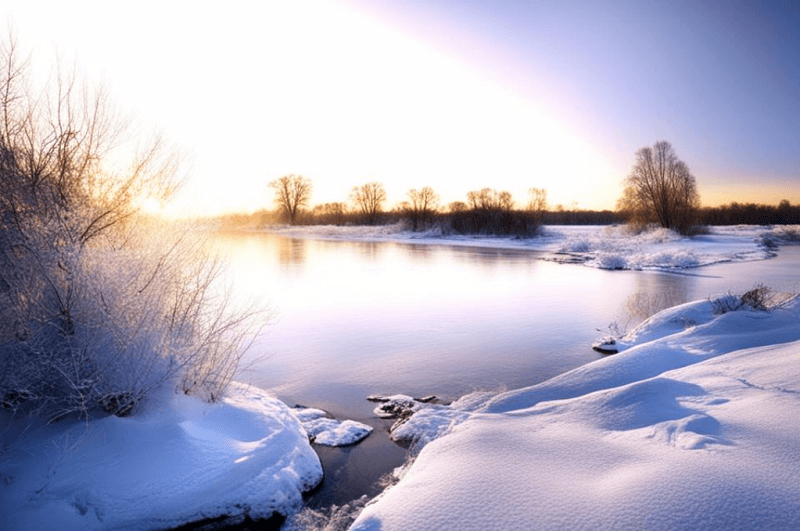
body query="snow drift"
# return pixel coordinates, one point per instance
(693, 427)
(179, 461)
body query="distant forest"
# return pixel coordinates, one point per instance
(336, 214)
(750, 214)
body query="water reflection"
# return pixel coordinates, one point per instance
(420, 254)
(655, 292)
(381, 317)
(291, 253)
(367, 250)
(490, 258)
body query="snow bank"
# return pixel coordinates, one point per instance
(693, 427)
(605, 247)
(617, 248)
(179, 461)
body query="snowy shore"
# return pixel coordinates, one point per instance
(606, 247)
(693, 426)
(180, 460)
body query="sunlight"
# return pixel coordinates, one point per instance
(398, 110)
(151, 206)
(325, 90)
(352, 99)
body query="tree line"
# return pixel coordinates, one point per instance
(487, 211)
(751, 214)
(660, 190)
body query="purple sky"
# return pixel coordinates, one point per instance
(719, 80)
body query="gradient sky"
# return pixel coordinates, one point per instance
(453, 94)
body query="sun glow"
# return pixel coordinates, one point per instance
(322, 89)
(374, 103)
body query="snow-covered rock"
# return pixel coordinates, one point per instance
(421, 420)
(178, 461)
(431, 421)
(396, 406)
(331, 432)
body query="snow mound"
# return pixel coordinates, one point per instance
(692, 427)
(179, 461)
(674, 338)
(331, 432)
(616, 247)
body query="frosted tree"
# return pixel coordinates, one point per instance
(98, 305)
(537, 205)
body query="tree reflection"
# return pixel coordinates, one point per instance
(421, 254)
(291, 252)
(655, 293)
(369, 250)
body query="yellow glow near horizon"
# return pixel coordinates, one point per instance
(253, 91)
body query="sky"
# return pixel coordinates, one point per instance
(453, 94)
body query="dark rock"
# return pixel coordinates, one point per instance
(426, 399)
(606, 347)
(238, 523)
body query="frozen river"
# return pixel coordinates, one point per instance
(361, 318)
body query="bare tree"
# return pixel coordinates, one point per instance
(490, 200)
(660, 189)
(537, 205)
(457, 206)
(369, 199)
(505, 202)
(479, 200)
(421, 205)
(292, 192)
(329, 213)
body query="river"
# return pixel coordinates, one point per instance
(359, 318)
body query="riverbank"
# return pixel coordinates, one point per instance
(693, 427)
(601, 246)
(179, 460)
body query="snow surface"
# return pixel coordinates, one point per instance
(178, 461)
(694, 426)
(606, 247)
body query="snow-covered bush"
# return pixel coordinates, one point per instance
(98, 305)
(790, 234)
(611, 261)
(785, 235)
(760, 298)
